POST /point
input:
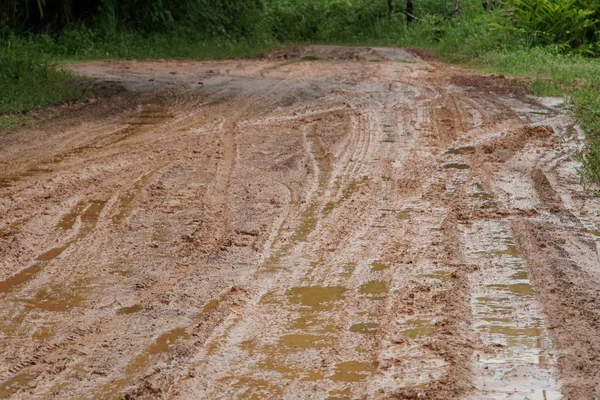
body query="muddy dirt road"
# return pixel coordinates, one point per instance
(326, 222)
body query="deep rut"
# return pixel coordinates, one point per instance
(282, 228)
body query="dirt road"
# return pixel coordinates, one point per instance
(326, 222)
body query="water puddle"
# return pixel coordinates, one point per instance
(211, 305)
(352, 371)
(344, 394)
(307, 321)
(130, 310)
(378, 265)
(418, 328)
(20, 278)
(510, 250)
(329, 207)
(509, 319)
(374, 289)
(405, 215)
(89, 218)
(441, 275)
(271, 365)
(68, 220)
(308, 222)
(306, 341)
(306, 330)
(461, 150)
(318, 298)
(162, 344)
(53, 253)
(367, 328)
(523, 289)
(54, 299)
(456, 166)
(11, 386)
(595, 232)
(482, 194)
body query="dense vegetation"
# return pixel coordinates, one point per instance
(553, 42)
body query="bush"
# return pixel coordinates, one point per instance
(29, 80)
(564, 24)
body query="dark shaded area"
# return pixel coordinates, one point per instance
(211, 17)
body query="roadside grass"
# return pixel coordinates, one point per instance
(27, 86)
(29, 80)
(31, 77)
(564, 75)
(84, 44)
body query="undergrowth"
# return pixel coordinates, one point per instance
(30, 80)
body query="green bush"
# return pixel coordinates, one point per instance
(29, 80)
(564, 24)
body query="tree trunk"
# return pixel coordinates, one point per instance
(455, 9)
(410, 11)
(390, 7)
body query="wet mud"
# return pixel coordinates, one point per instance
(323, 222)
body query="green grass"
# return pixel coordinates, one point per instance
(29, 80)
(31, 77)
(566, 75)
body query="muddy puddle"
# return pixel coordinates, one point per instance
(461, 150)
(480, 193)
(352, 371)
(441, 275)
(88, 215)
(130, 310)
(11, 386)
(374, 290)
(308, 330)
(456, 166)
(405, 214)
(378, 265)
(509, 320)
(367, 328)
(55, 298)
(418, 328)
(318, 298)
(8, 181)
(161, 345)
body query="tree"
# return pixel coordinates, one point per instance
(410, 9)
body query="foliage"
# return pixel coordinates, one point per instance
(29, 80)
(563, 24)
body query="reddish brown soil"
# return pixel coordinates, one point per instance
(324, 222)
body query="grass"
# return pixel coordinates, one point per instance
(29, 80)
(31, 77)
(566, 75)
